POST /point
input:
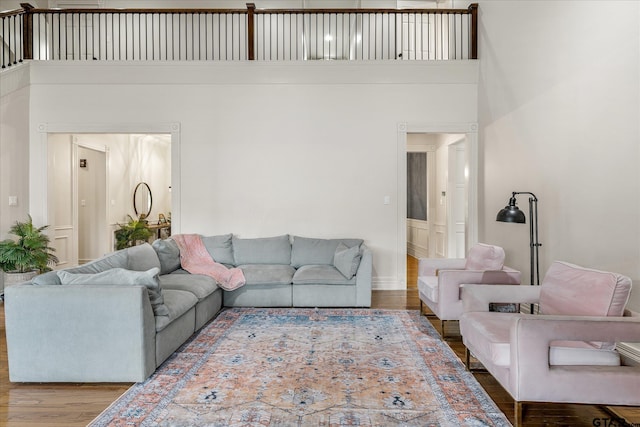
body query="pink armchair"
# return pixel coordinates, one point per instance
(567, 352)
(439, 279)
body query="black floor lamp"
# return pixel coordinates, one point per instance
(512, 213)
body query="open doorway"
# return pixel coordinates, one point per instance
(448, 225)
(92, 178)
(436, 198)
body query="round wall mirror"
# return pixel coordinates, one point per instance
(142, 200)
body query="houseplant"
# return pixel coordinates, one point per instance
(29, 255)
(129, 234)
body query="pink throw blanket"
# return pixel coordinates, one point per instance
(196, 260)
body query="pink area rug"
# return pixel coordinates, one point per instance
(306, 367)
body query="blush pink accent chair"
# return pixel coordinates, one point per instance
(567, 352)
(439, 279)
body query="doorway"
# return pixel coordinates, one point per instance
(451, 221)
(91, 184)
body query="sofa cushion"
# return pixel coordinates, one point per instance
(178, 303)
(142, 258)
(120, 276)
(572, 290)
(485, 257)
(489, 336)
(168, 254)
(267, 274)
(308, 251)
(581, 353)
(198, 284)
(347, 259)
(266, 250)
(320, 275)
(220, 248)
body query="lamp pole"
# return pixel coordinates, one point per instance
(511, 213)
(533, 236)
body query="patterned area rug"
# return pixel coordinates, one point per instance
(306, 367)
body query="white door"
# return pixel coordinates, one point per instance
(91, 203)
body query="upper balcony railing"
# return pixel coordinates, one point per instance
(237, 34)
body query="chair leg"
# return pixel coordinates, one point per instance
(426, 314)
(467, 362)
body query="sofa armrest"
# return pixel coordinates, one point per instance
(79, 333)
(531, 336)
(477, 297)
(449, 281)
(364, 277)
(429, 266)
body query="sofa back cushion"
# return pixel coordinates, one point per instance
(265, 250)
(220, 248)
(485, 257)
(309, 251)
(572, 290)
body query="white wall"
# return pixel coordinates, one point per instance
(266, 149)
(559, 107)
(14, 149)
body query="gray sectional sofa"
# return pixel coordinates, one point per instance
(118, 318)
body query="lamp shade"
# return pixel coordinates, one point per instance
(511, 213)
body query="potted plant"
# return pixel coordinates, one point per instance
(29, 255)
(130, 233)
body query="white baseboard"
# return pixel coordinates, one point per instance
(387, 284)
(417, 251)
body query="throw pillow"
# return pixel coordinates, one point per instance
(120, 276)
(168, 254)
(47, 279)
(485, 257)
(347, 259)
(142, 258)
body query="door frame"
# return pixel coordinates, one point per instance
(471, 235)
(38, 161)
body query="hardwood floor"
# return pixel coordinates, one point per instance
(70, 405)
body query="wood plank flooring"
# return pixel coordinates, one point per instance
(70, 405)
